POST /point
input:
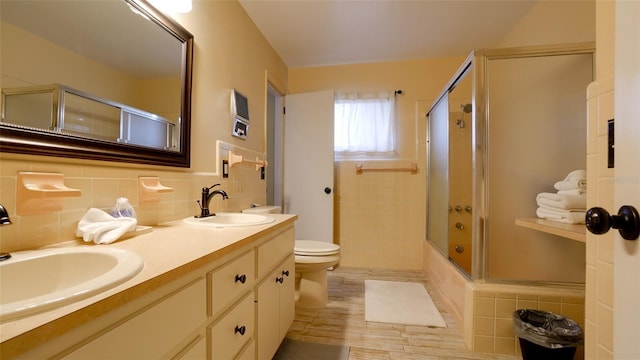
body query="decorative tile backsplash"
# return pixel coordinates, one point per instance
(101, 185)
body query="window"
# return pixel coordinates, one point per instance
(365, 124)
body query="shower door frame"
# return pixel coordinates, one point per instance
(477, 63)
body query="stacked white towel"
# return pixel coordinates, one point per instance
(568, 204)
(102, 228)
(574, 183)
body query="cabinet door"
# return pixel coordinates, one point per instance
(154, 332)
(287, 296)
(276, 305)
(268, 306)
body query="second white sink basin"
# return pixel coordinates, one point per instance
(224, 220)
(38, 280)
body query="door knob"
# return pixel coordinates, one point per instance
(327, 190)
(598, 221)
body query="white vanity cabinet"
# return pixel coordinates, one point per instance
(275, 303)
(233, 303)
(233, 331)
(153, 332)
(231, 306)
(275, 293)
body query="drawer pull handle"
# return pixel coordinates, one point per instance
(285, 273)
(280, 280)
(240, 329)
(241, 278)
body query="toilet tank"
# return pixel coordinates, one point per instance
(263, 210)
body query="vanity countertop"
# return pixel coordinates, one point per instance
(170, 251)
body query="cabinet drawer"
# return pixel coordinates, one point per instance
(230, 334)
(153, 332)
(249, 353)
(272, 252)
(230, 282)
(197, 352)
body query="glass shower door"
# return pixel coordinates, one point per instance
(438, 184)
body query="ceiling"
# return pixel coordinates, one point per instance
(329, 32)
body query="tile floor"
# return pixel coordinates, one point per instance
(342, 322)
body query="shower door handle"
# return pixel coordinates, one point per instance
(598, 221)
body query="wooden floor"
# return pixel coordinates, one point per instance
(342, 322)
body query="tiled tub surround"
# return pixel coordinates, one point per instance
(484, 310)
(171, 251)
(489, 308)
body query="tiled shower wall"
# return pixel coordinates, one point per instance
(379, 216)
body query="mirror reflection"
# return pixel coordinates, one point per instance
(107, 74)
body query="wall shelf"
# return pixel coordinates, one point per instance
(576, 232)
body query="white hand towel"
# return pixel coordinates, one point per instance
(561, 201)
(572, 192)
(577, 184)
(564, 216)
(577, 175)
(103, 228)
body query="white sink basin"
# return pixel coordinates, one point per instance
(225, 220)
(38, 280)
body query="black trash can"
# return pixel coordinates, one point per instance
(544, 335)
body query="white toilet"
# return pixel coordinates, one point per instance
(313, 258)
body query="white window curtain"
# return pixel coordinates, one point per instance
(365, 124)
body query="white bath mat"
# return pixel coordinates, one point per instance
(400, 303)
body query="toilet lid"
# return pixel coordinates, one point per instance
(315, 248)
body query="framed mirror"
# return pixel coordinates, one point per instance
(99, 80)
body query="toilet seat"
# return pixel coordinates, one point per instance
(315, 248)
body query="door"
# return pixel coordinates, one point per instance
(308, 164)
(274, 146)
(627, 172)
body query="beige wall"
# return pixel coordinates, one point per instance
(554, 22)
(29, 60)
(229, 52)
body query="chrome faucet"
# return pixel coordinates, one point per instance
(206, 199)
(4, 216)
(4, 220)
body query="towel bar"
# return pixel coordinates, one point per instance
(413, 168)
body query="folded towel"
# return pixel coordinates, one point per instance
(561, 201)
(577, 175)
(572, 192)
(103, 228)
(564, 216)
(577, 184)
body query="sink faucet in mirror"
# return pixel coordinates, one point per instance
(206, 199)
(4, 220)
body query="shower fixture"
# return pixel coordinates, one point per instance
(466, 108)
